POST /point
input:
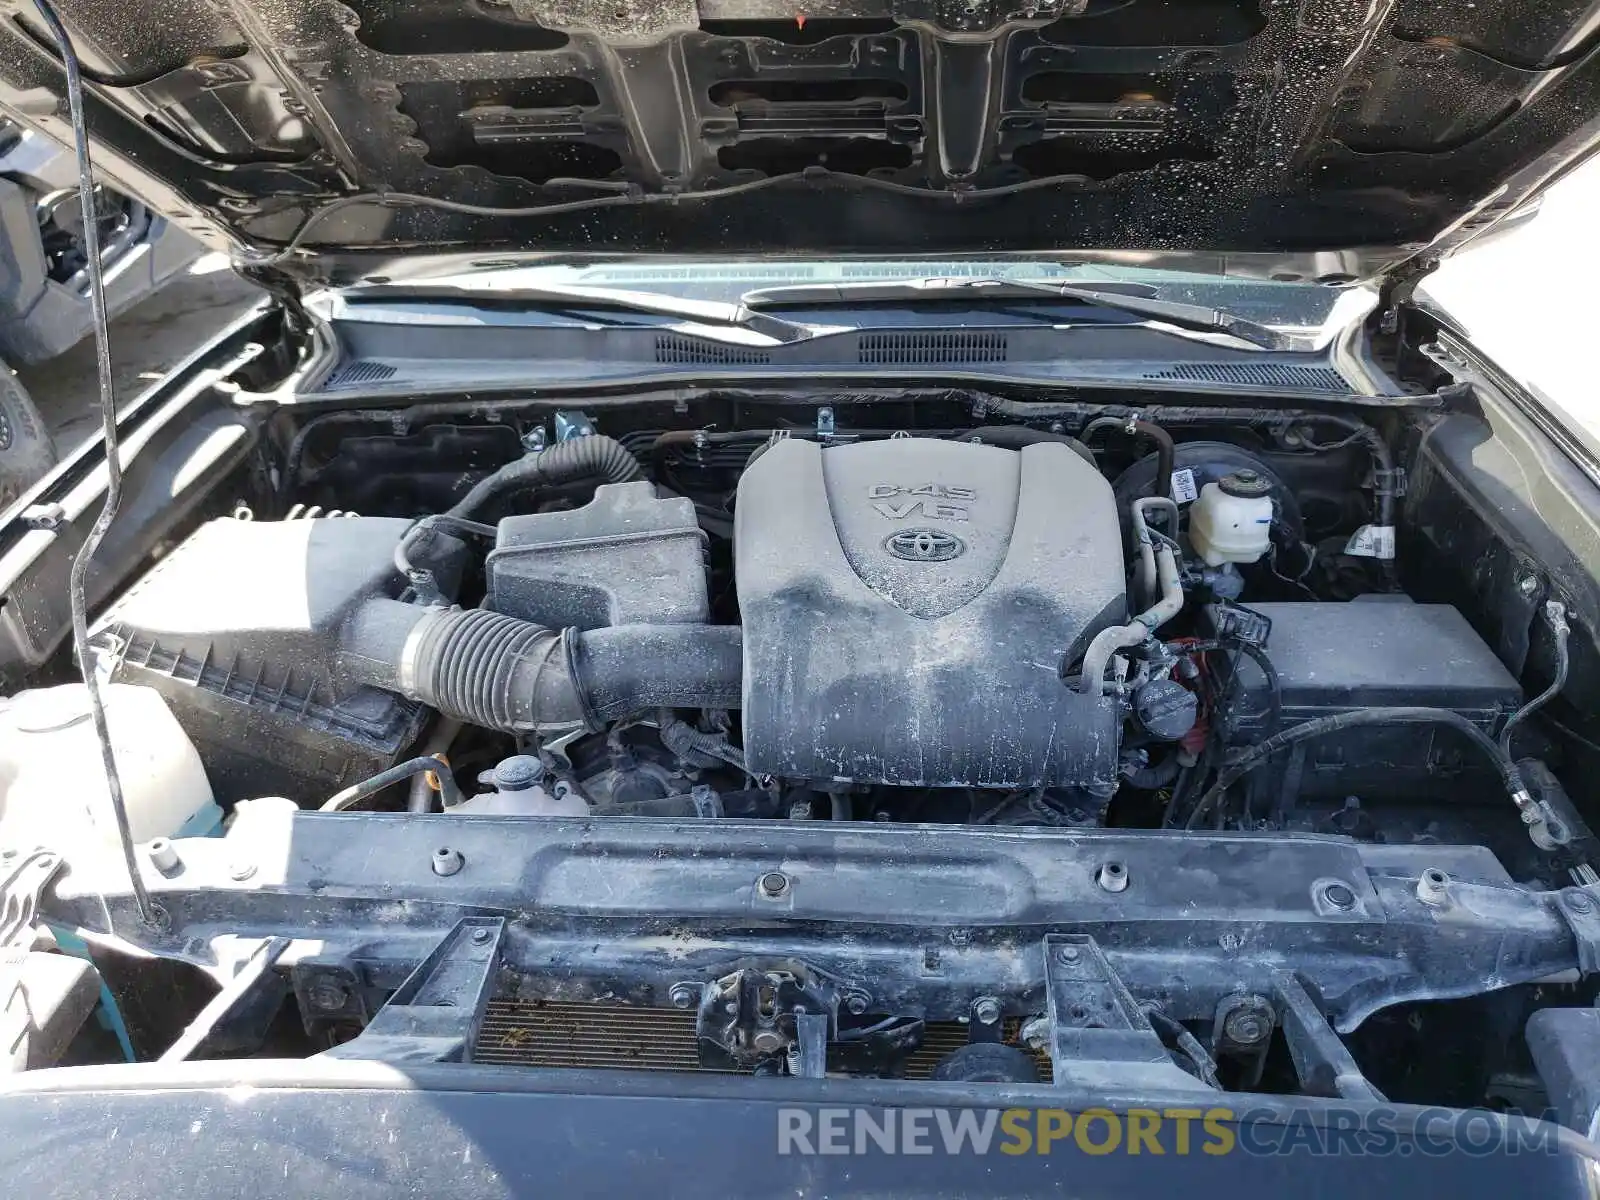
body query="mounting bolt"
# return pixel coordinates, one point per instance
(855, 1003)
(773, 885)
(1433, 887)
(682, 995)
(326, 995)
(1577, 900)
(447, 861)
(1244, 1027)
(1112, 877)
(163, 855)
(705, 800)
(1528, 585)
(480, 936)
(1339, 896)
(240, 871)
(1068, 954)
(986, 1009)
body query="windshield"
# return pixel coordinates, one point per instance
(1296, 304)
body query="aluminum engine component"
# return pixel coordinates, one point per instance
(908, 608)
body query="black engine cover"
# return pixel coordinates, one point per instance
(907, 606)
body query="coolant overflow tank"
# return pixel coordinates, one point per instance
(907, 607)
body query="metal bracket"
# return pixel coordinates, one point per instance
(23, 878)
(826, 426)
(435, 1015)
(1243, 1032)
(328, 992)
(1321, 1061)
(1580, 907)
(758, 1015)
(1391, 481)
(810, 1060)
(48, 517)
(251, 998)
(572, 424)
(1098, 1033)
(750, 1015)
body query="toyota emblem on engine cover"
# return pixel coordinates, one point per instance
(924, 545)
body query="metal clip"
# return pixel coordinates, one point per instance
(1389, 481)
(48, 517)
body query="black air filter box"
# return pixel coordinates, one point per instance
(239, 629)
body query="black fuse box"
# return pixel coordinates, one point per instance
(1377, 651)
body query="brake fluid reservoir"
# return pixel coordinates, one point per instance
(1231, 519)
(52, 783)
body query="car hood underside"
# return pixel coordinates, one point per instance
(859, 126)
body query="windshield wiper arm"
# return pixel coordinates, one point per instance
(1136, 301)
(707, 312)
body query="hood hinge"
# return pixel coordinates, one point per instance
(1398, 288)
(282, 287)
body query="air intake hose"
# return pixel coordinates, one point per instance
(596, 457)
(498, 672)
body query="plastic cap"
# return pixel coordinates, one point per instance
(1166, 709)
(517, 773)
(1245, 483)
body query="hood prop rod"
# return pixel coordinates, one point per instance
(149, 913)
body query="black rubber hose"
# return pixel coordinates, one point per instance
(699, 439)
(1169, 1030)
(596, 457)
(420, 798)
(1383, 476)
(625, 669)
(696, 748)
(1166, 451)
(1015, 437)
(1274, 685)
(424, 528)
(1274, 714)
(297, 448)
(1382, 460)
(497, 672)
(1154, 777)
(397, 774)
(1322, 726)
(1555, 614)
